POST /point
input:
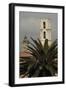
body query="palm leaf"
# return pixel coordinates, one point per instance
(43, 62)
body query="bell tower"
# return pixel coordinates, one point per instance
(45, 31)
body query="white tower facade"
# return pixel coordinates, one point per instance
(45, 31)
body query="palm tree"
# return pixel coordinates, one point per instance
(43, 62)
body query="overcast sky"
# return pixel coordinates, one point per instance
(29, 24)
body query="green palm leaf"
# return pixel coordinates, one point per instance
(43, 61)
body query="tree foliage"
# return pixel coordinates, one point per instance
(43, 62)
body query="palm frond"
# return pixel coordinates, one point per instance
(44, 60)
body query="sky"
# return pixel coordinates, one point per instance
(29, 24)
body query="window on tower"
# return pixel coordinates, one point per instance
(44, 25)
(44, 34)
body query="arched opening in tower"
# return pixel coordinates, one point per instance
(44, 35)
(44, 25)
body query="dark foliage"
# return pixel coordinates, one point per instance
(43, 62)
